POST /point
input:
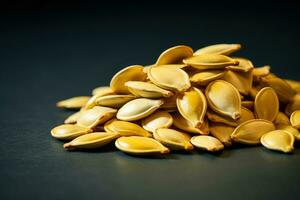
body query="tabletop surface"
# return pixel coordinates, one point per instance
(53, 55)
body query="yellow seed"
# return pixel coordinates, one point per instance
(73, 103)
(192, 106)
(248, 104)
(281, 119)
(290, 129)
(221, 49)
(261, 71)
(294, 84)
(174, 55)
(173, 139)
(91, 141)
(224, 99)
(293, 105)
(295, 119)
(207, 143)
(253, 91)
(131, 73)
(266, 104)
(278, 140)
(205, 77)
(138, 109)
(244, 65)
(170, 103)
(251, 131)
(95, 116)
(115, 100)
(222, 132)
(124, 128)
(178, 66)
(159, 119)
(72, 119)
(173, 79)
(185, 125)
(140, 146)
(69, 131)
(242, 81)
(147, 90)
(102, 91)
(210, 61)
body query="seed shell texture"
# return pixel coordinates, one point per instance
(185, 125)
(147, 90)
(174, 55)
(124, 128)
(138, 109)
(295, 119)
(222, 132)
(242, 81)
(131, 73)
(251, 131)
(95, 116)
(114, 100)
(140, 146)
(158, 119)
(102, 91)
(290, 129)
(69, 131)
(91, 141)
(261, 71)
(173, 79)
(73, 103)
(207, 143)
(224, 99)
(210, 61)
(205, 77)
(192, 106)
(281, 119)
(220, 49)
(278, 140)
(244, 65)
(266, 104)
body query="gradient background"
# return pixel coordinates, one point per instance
(52, 50)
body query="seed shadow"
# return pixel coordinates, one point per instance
(169, 156)
(105, 149)
(219, 154)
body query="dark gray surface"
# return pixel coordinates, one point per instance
(56, 54)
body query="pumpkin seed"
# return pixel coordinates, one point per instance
(170, 103)
(124, 128)
(115, 100)
(173, 79)
(173, 139)
(159, 119)
(295, 119)
(192, 106)
(147, 90)
(294, 84)
(222, 132)
(278, 140)
(91, 141)
(248, 104)
(266, 104)
(207, 143)
(221, 49)
(102, 91)
(73, 103)
(69, 131)
(174, 55)
(96, 115)
(250, 132)
(210, 61)
(290, 129)
(138, 109)
(185, 125)
(242, 81)
(72, 119)
(293, 105)
(244, 65)
(281, 119)
(224, 99)
(261, 72)
(131, 73)
(205, 77)
(140, 145)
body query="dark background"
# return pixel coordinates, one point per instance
(51, 50)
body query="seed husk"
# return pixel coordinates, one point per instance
(73, 103)
(115, 100)
(278, 140)
(290, 129)
(158, 119)
(173, 139)
(140, 146)
(295, 119)
(220, 49)
(185, 125)
(207, 143)
(72, 119)
(138, 109)
(281, 119)
(124, 128)
(95, 116)
(259, 72)
(242, 81)
(69, 131)
(102, 91)
(91, 141)
(210, 61)
(131, 73)
(205, 77)
(294, 84)
(248, 104)
(224, 99)
(266, 104)
(174, 55)
(293, 105)
(250, 132)
(192, 106)
(170, 103)
(173, 79)
(147, 90)
(222, 132)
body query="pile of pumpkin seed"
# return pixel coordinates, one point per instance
(203, 99)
